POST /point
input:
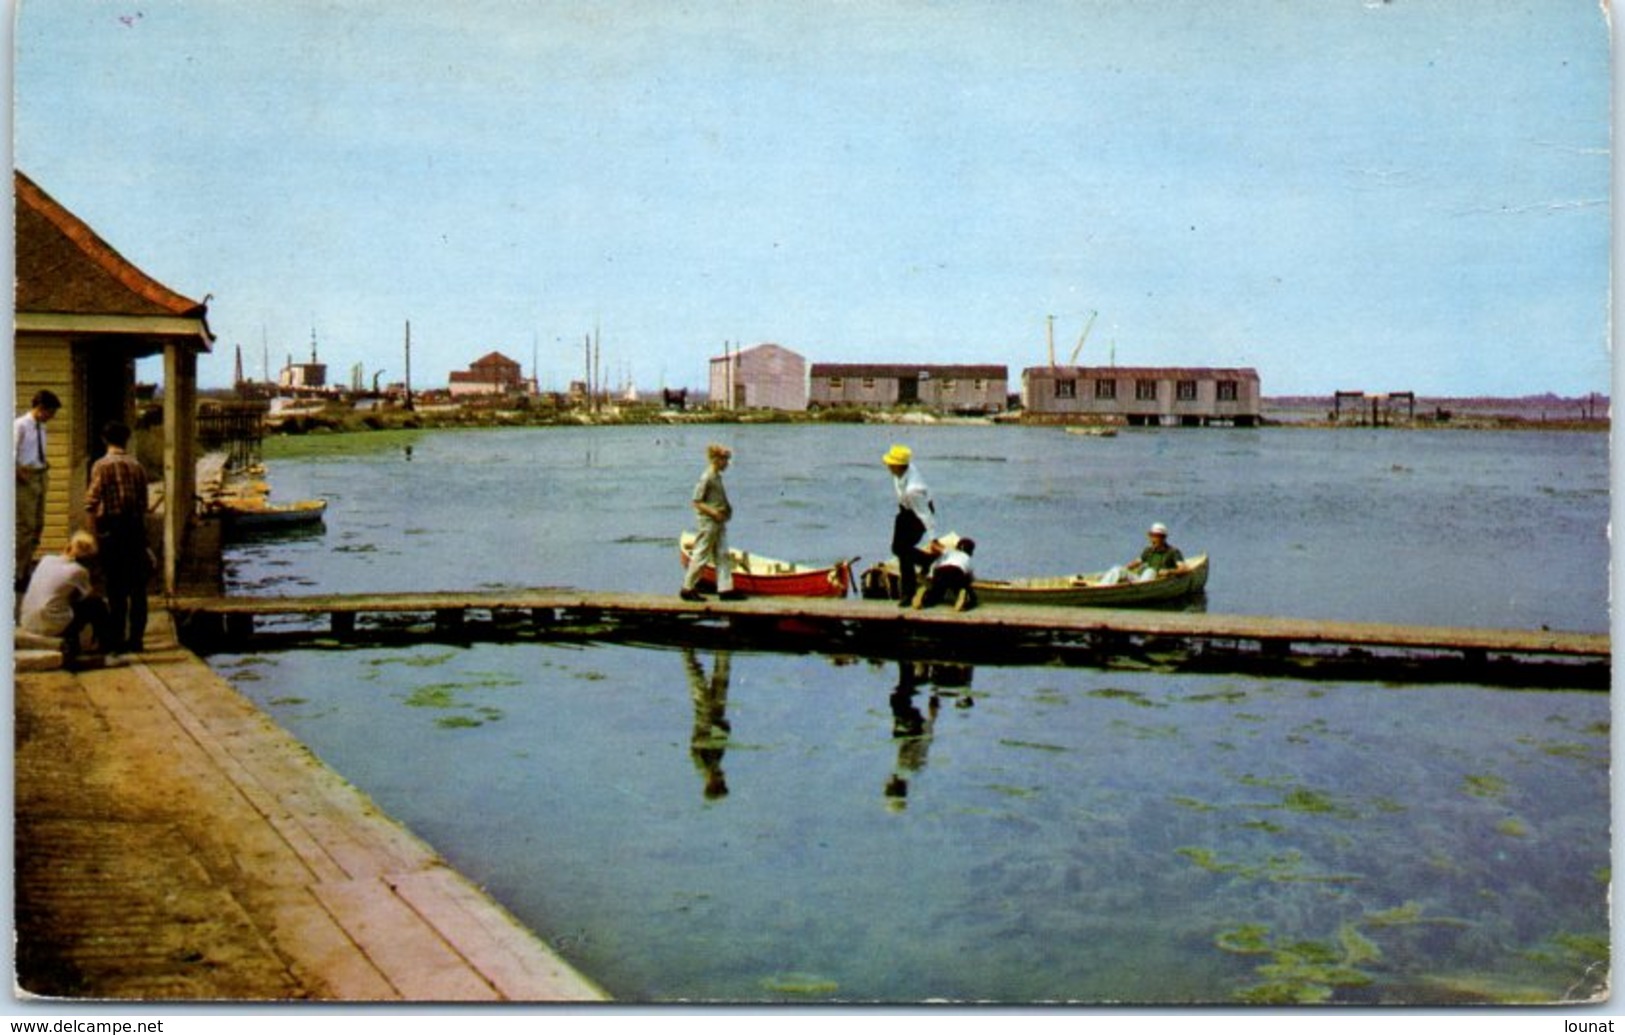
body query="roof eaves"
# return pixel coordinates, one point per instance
(103, 254)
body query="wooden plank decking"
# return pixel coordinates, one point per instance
(845, 623)
(174, 844)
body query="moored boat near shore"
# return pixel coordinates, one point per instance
(755, 575)
(1089, 591)
(1084, 590)
(254, 513)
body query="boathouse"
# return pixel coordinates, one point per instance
(84, 316)
(491, 374)
(765, 376)
(1145, 396)
(962, 389)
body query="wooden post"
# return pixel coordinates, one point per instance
(180, 455)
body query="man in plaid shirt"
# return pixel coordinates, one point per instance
(117, 504)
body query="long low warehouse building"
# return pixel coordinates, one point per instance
(1148, 396)
(976, 388)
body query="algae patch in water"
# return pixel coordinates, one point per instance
(1512, 827)
(800, 984)
(1133, 697)
(1194, 804)
(1488, 786)
(415, 660)
(1302, 799)
(440, 696)
(1285, 868)
(1034, 745)
(1409, 913)
(1300, 971)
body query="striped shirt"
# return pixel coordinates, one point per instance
(118, 487)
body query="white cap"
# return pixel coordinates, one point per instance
(1159, 529)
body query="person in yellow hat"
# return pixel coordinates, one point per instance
(915, 521)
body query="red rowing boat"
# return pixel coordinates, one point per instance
(755, 575)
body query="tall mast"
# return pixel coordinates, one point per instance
(409, 364)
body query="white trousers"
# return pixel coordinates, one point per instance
(710, 547)
(1122, 574)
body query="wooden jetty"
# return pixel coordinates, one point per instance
(993, 634)
(175, 844)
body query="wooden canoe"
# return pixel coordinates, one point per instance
(256, 513)
(755, 575)
(1086, 590)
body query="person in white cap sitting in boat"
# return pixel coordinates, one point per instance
(1158, 557)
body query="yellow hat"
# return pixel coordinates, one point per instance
(898, 456)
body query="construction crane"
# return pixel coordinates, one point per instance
(1081, 338)
(1049, 335)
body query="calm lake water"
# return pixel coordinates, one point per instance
(762, 827)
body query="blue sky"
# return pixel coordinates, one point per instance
(1344, 194)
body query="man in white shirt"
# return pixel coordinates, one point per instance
(28, 458)
(916, 518)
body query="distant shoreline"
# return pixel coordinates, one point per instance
(1540, 413)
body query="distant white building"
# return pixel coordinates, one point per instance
(761, 377)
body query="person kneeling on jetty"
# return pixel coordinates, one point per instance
(711, 544)
(1158, 558)
(60, 603)
(951, 575)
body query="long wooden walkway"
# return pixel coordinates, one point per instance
(1179, 640)
(174, 844)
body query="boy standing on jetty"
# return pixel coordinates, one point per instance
(711, 544)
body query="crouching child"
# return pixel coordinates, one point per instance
(60, 603)
(951, 575)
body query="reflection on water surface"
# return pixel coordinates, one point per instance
(763, 827)
(695, 824)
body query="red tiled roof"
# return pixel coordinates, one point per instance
(63, 266)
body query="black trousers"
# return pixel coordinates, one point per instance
(123, 552)
(912, 562)
(92, 612)
(944, 583)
